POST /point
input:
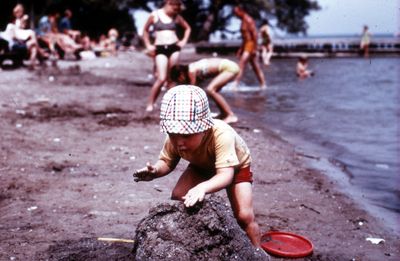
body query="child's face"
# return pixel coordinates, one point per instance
(186, 142)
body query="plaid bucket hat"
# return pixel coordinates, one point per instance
(185, 110)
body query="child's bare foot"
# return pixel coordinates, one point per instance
(235, 86)
(231, 119)
(263, 87)
(149, 108)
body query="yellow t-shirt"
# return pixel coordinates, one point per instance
(221, 147)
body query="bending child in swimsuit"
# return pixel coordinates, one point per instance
(223, 71)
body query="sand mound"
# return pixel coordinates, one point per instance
(205, 232)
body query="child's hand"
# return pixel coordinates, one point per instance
(145, 174)
(150, 51)
(194, 195)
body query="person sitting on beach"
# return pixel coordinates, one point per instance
(248, 50)
(267, 47)
(65, 26)
(302, 70)
(167, 45)
(222, 71)
(19, 34)
(113, 40)
(107, 45)
(59, 43)
(365, 41)
(218, 157)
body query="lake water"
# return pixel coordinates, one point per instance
(347, 114)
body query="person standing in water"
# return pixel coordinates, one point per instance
(267, 47)
(365, 41)
(167, 46)
(248, 50)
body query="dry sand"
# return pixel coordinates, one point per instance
(72, 137)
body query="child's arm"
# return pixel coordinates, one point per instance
(192, 77)
(151, 172)
(219, 181)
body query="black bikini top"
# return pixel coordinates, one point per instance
(160, 26)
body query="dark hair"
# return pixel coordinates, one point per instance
(303, 59)
(179, 2)
(178, 72)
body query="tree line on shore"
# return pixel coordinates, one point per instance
(94, 17)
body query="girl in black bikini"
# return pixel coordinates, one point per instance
(167, 45)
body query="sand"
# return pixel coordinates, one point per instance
(71, 138)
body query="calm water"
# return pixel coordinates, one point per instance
(347, 113)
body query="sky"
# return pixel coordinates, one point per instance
(349, 16)
(341, 17)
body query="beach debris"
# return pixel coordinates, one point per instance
(156, 187)
(56, 139)
(375, 240)
(119, 240)
(307, 155)
(20, 112)
(32, 208)
(207, 231)
(18, 125)
(51, 78)
(256, 131)
(310, 208)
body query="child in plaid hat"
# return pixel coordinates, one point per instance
(218, 157)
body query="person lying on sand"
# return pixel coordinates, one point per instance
(220, 70)
(218, 157)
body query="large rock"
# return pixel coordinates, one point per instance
(205, 232)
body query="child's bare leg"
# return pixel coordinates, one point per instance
(189, 178)
(172, 61)
(162, 68)
(241, 198)
(213, 90)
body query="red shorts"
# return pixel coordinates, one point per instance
(243, 175)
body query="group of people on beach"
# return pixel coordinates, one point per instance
(166, 47)
(54, 37)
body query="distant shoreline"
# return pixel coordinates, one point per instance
(321, 46)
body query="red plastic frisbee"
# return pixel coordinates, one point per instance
(286, 244)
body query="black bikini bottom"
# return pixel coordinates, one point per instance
(167, 49)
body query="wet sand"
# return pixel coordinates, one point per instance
(71, 138)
